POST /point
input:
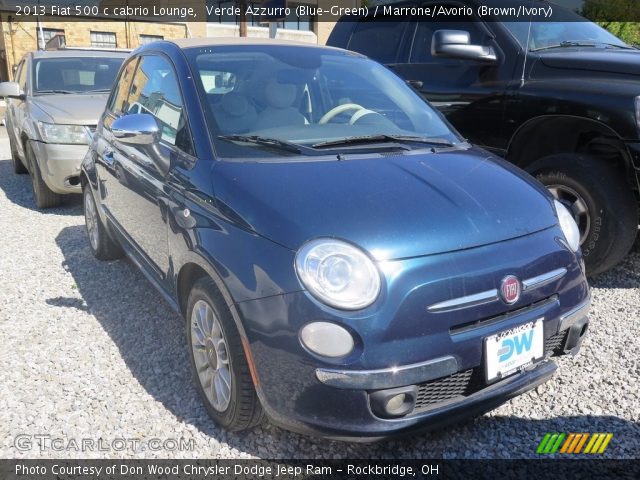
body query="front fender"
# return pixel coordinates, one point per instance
(245, 266)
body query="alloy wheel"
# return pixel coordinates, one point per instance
(91, 220)
(210, 355)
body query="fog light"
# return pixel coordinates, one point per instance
(327, 339)
(395, 402)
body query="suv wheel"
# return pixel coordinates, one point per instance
(601, 201)
(219, 364)
(18, 166)
(44, 197)
(102, 245)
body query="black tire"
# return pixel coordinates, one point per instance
(612, 208)
(244, 410)
(18, 166)
(102, 245)
(42, 194)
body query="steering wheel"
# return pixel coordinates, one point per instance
(338, 110)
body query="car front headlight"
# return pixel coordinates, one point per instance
(338, 274)
(69, 134)
(568, 225)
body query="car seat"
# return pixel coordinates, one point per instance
(279, 111)
(233, 113)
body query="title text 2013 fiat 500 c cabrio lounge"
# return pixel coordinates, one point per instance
(346, 263)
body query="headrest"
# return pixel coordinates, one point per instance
(234, 104)
(280, 95)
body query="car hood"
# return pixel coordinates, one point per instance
(395, 206)
(594, 59)
(80, 109)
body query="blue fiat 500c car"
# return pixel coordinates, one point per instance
(346, 264)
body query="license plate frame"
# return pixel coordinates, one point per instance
(512, 350)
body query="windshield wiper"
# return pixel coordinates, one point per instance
(97, 90)
(616, 45)
(565, 44)
(55, 91)
(270, 142)
(383, 138)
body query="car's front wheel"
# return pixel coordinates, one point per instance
(102, 245)
(43, 195)
(219, 363)
(18, 166)
(601, 202)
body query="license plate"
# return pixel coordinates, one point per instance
(513, 350)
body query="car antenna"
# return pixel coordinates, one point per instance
(526, 47)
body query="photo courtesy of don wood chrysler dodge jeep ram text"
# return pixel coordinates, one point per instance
(345, 263)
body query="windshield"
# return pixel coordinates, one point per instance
(259, 97)
(570, 33)
(75, 74)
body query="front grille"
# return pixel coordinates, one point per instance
(462, 383)
(468, 382)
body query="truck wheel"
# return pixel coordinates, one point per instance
(601, 201)
(18, 166)
(102, 245)
(44, 197)
(219, 363)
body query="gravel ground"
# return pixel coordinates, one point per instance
(90, 351)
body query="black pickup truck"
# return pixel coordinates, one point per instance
(560, 99)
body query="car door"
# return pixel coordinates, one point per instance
(470, 93)
(16, 107)
(117, 105)
(137, 195)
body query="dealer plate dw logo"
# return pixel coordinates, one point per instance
(593, 443)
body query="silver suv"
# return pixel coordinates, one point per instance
(52, 110)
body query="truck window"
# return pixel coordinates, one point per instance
(379, 39)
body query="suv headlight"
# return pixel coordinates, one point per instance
(568, 225)
(338, 274)
(69, 134)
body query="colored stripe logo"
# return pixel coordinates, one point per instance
(592, 443)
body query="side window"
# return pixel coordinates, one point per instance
(118, 103)
(379, 38)
(421, 48)
(155, 90)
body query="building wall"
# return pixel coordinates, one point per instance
(321, 30)
(19, 38)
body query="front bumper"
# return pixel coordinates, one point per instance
(400, 342)
(60, 165)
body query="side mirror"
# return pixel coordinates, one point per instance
(457, 44)
(136, 129)
(142, 130)
(11, 90)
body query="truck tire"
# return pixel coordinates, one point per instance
(18, 166)
(44, 197)
(601, 200)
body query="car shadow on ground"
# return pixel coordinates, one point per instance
(18, 190)
(151, 340)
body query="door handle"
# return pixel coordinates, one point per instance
(417, 84)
